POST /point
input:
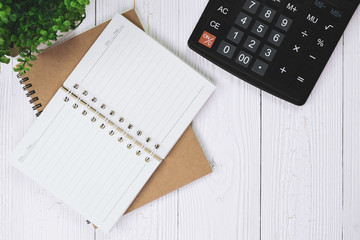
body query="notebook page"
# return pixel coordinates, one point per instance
(142, 82)
(81, 163)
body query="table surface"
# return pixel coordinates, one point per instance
(280, 171)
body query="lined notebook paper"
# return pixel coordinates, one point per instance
(112, 123)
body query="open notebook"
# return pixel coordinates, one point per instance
(114, 120)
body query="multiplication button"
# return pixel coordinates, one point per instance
(244, 59)
(243, 20)
(226, 49)
(260, 67)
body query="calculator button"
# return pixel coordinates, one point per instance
(267, 14)
(329, 28)
(259, 29)
(244, 59)
(321, 44)
(226, 49)
(251, 6)
(304, 34)
(312, 19)
(276, 38)
(335, 13)
(296, 50)
(319, 5)
(243, 20)
(292, 7)
(252, 44)
(215, 24)
(313, 59)
(260, 67)
(235, 35)
(275, 3)
(268, 53)
(223, 9)
(207, 39)
(283, 72)
(284, 23)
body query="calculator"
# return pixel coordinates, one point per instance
(279, 46)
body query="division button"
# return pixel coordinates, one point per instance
(251, 6)
(260, 67)
(226, 49)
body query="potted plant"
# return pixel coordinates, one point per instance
(24, 25)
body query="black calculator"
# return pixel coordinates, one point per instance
(280, 46)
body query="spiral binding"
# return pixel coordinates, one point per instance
(30, 93)
(122, 131)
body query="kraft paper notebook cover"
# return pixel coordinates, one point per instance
(186, 161)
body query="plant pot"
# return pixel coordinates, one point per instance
(14, 52)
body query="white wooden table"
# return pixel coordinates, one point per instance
(281, 171)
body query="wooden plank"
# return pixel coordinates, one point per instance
(302, 162)
(157, 220)
(352, 130)
(27, 210)
(225, 204)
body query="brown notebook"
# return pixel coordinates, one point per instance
(185, 163)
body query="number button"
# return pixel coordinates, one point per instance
(276, 38)
(251, 6)
(284, 23)
(267, 14)
(252, 44)
(226, 49)
(259, 29)
(244, 59)
(268, 53)
(243, 20)
(260, 67)
(235, 35)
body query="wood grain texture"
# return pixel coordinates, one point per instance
(280, 172)
(302, 162)
(226, 205)
(351, 135)
(27, 210)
